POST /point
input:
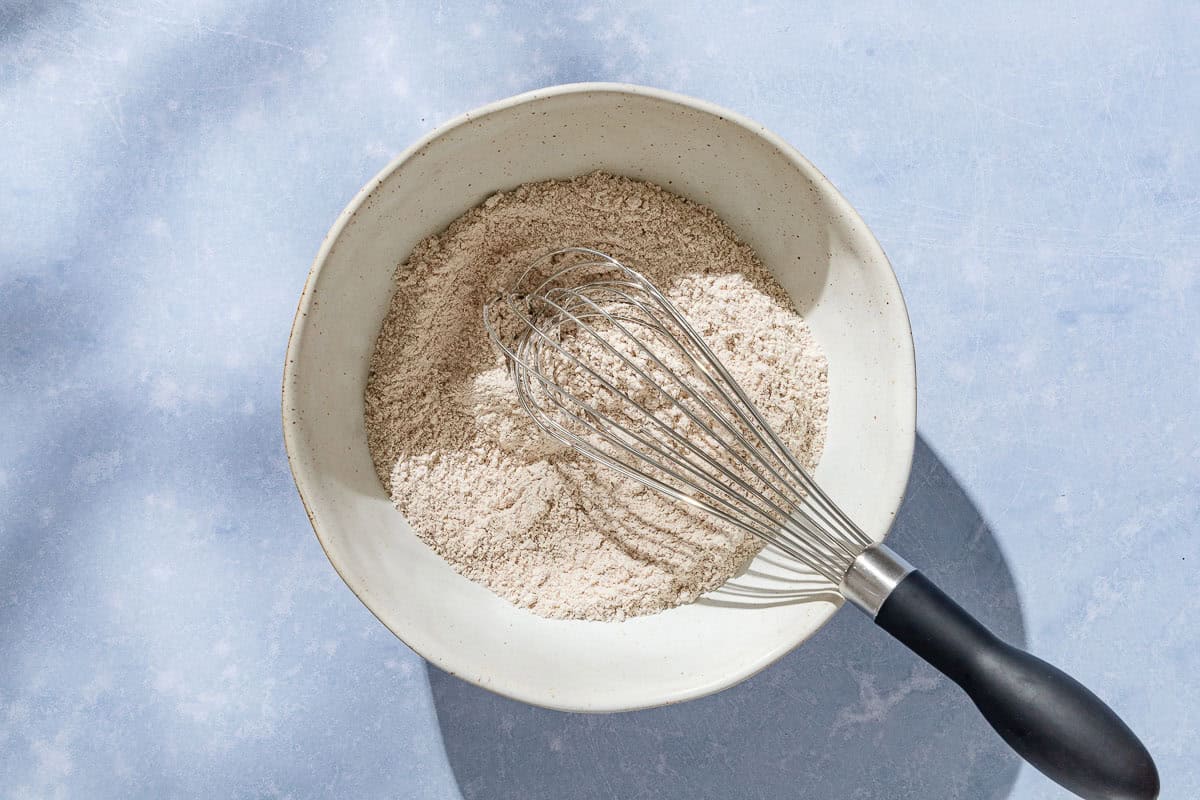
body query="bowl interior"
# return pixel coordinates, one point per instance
(809, 237)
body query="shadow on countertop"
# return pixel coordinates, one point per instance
(849, 714)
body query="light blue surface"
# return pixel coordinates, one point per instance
(168, 624)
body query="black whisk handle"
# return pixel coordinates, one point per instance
(1049, 718)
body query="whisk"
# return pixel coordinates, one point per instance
(603, 362)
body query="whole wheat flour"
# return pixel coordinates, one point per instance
(505, 505)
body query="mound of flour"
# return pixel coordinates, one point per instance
(508, 507)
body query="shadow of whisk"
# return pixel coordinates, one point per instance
(733, 595)
(771, 579)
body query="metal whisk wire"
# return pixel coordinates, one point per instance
(662, 409)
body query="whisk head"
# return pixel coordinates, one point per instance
(603, 362)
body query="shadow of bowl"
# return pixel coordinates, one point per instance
(850, 714)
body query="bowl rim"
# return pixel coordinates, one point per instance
(431, 653)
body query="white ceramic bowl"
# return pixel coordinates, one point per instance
(805, 232)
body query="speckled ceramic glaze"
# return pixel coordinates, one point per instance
(805, 232)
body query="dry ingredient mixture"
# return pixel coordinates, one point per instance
(508, 507)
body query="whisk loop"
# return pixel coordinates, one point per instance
(605, 363)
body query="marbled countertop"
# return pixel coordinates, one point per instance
(169, 626)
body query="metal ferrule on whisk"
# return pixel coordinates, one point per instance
(872, 577)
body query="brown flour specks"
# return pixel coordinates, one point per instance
(505, 505)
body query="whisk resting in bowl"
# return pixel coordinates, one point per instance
(603, 362)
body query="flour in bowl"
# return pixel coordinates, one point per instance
(506, 506)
